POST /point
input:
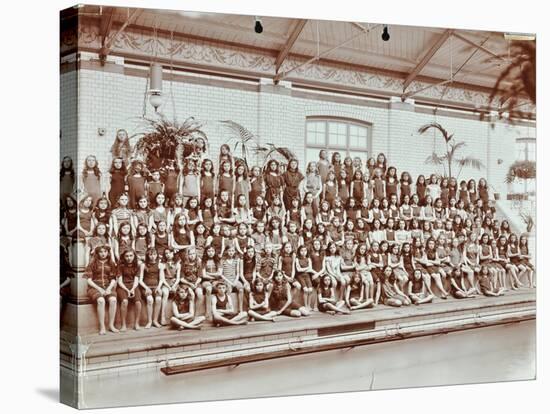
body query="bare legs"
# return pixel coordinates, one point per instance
(153, 311)
(420, 299)
(514, 281)
(240, 318)
(338, 307)
(357, 304)
(101, 314)
(439, 283)
(188, 322)
(269, 316)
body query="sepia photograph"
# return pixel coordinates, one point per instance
(259, 206)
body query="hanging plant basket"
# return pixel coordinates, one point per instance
(163, 141)
(524, 170)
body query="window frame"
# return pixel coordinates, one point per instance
(525, 141)
(526, 186)
(336, 148)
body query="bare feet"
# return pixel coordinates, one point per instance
(148, 325)
(123, 328)
(137, 327)
(102, 331)
(156, 324)
(113, 329)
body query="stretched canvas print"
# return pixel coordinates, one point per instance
(265, 206)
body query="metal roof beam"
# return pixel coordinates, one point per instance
(105, 25)
(289, 43)
(426, 59)
(279, 76)
(108, 41)
(480, 47)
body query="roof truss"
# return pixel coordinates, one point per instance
(289, 43)
(427, 57)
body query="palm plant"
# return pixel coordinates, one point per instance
(449, 157)
(272, 151)
(245, 143)
(162, 140)
(242, 139)
(516, 86)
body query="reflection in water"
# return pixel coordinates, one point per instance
(498, 353)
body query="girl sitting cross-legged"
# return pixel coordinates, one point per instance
(390, 291)
(458, 289)
(183, 310)
(326, 298)
(418, 289)
(223, 311)
(258, 302)
(280, 298)
(356, 293)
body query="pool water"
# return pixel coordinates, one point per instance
(497, 353)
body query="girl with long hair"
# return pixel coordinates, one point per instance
(150, 281)
(92, 178)
(137, 182)
(207, 180)
(274, 183)
(258, 302)
(280, 298)
(292, 179)
(116, 185)
(67, 177)
(241, 186)
(326, 298)
(101, 278)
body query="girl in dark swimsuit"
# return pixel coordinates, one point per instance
(223, 312)
(151, 283)
(326, 298)
(280, 298)
(355, 293)
(258, 303)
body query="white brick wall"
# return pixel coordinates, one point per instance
(68, 114)
(111, 101)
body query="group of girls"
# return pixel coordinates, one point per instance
(340, 237)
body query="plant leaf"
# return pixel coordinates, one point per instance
(470, 162)
(423, 129)
(435, 159)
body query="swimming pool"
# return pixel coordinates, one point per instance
(496, 353)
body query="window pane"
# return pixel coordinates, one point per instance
(358, 137)
(316, 132)
(531, 151)
(337, 134)
(312, 154)
(360, 154)
(520, 151)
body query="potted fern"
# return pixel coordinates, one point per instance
(161, 141)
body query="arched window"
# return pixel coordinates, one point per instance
(347, 136)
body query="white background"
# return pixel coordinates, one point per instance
(30, 164)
